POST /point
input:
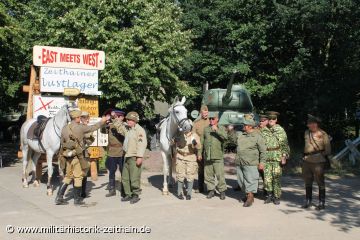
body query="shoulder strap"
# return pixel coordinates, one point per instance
(312, 141)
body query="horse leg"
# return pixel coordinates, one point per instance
(171, 180)
(26, 154)
(165, 190)
(35, 159)
(49, 157)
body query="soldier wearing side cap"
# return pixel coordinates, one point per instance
(198, 128)
(72, 142)
(135, 144)
(212, 142)
(317, 148)
(278, 152)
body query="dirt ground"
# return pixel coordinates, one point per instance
(167, 217)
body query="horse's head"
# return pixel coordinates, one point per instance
(178, 112)
(65, 112)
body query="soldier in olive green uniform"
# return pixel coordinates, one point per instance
(187, 146)
(72, 141)
(278, 152)
(250, 157)
(317, 148)
(198, 128)
(212, 142)
(115, 153)
(135, 144)
(88, 140)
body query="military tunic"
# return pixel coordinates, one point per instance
(317, 146)
(135, 144)
(277, 147)
(251, 151)
(77, 166)
(186, 155)
(212, 143)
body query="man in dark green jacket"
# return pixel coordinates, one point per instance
(212, 141)
(250, 157)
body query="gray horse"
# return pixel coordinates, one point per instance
(50, 144)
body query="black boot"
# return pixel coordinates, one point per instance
(59, 200)
(222, 195)
(135, 198)
(112, 191)
(211, 194)
(308, 196)
(83, 188)
(269, 198)
(122, 191)
(321, 205)
(77, 197)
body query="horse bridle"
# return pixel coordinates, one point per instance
(181, 122)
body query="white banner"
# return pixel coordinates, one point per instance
(56, 79)
(46, 56)
(47, 106)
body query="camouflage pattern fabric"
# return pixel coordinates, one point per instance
(272, 178)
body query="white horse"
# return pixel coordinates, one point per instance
(32, 149)
(176, 121)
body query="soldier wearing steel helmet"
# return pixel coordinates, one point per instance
(134, 146)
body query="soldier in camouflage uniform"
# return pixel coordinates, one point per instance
(277, 153)
(187, 146)
(199, 126)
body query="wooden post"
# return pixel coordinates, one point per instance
(30, 89)
(93, 169)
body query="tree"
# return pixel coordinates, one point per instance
(144, 42)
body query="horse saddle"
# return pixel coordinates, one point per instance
(37, 128)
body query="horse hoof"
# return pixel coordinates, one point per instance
(25, 185)
(49, 192)
(165, 192)
(36, 184)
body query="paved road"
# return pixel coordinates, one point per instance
(170, 218)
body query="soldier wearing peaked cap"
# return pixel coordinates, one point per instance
(198, 128)
(135, 144)
(115, 153)
(317, 149)
(278, 152)
(72, 148)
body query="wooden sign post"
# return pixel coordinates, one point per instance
(65, 72)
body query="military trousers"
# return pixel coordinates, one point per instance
(113, 164)
(74, 172)
(272, 177)
(313, 171)
(214, 168)
(131, 177)
(248, 178)
(186, 169)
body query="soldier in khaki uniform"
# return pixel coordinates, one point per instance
(88, 140)
(212, 142)
(198, 128)
(135, 144)
(115, 153)
(187, 146)
(317, 148)
(72, 141)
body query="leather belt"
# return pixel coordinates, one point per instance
(273, 149)
(313, 153)
(184, 154)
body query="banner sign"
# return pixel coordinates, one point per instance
(56, 79)
(45, 56)
(46, 105)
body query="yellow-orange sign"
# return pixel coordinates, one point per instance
(90, 105)
(94, 152)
